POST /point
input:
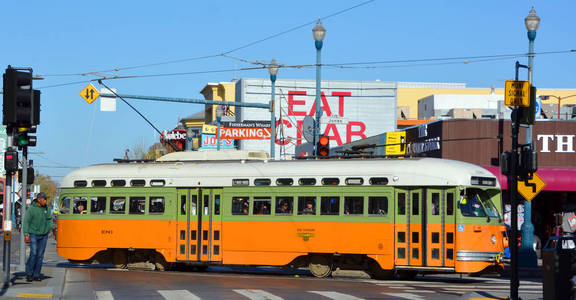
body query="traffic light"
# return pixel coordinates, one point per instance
(22, 139)
(11, 160)
(21, 105)
(323, 146)
(527, 115)
(29, 175)
(528, 162)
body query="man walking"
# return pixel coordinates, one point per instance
(37, 224)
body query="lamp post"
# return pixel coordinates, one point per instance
(526, 255)
(273, 70)
(546, 97)
(219, 113)
(319, 32)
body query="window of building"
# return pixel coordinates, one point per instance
(284, 205)
(330, 205)
(117, 205)
(240, 205)
(261, 205)
(353, 205)
(306, 205)
(80, 205)
(97, 205)
(378, 206)
(156, 205)
(137, 205)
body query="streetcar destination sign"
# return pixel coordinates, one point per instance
(517, 93)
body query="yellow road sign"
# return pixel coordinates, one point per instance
(89, 93)
(535, 185)
(517, 93)
(396, 143)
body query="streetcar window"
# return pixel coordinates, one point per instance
(378, 206)
(262, 181)
(435, 209)
(378, 181)
(284, 181)
(137, 182)
(284, 205)
(240, 182)
(330, 205)
(157, 182)
(330, 181)
(80, 183)
(156, 205)
(450, 204)
(80, 205)
(307, 181)
(353, 205)
(137, 205)
(261, 205)
(119, 182)
(306, 205)
(415, 204)
(401, 204)
(97, 205)
(477, 203)
(65, 205)
(182, 204)
(98, 183)
(216, 204)
(117, 205)
(206, 204)
(193, 203)
(354, 181)
(240, 205)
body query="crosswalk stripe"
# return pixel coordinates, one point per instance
(257, 295)
(177, 295)
(104, 295)
(405, 295)
(335, 295)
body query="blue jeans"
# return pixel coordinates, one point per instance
(37, 247)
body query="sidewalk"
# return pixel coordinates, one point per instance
(53, 276)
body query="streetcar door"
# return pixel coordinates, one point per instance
(187, 227)
(400, 227)
(449, 226)
(416, 228)
(441, 227)
(209, 225)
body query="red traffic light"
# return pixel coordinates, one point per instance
(323, 146)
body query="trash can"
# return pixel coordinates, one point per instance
(558, 257)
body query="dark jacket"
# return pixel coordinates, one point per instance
(38, 220)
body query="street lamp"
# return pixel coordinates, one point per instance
(546, 97)
(273, 70)
(319, 32)
(219, 114)
(532, 22)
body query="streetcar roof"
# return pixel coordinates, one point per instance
(408, 172)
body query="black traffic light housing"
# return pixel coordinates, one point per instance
(21, 106)
(22, 139)
(527, 115)
(29, 175)
(11, 160)
(323, 146)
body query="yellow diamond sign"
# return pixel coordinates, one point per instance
(89, 93)
(535, 185)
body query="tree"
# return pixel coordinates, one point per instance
(48, 186)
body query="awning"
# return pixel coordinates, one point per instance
(556, 179)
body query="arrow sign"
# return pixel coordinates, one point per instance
(89, 93)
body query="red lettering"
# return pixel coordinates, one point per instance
(299, 125)
(325, 106)
(359, 132)
(341, 96)
(335, 136)
(292, 102)
(288, 139)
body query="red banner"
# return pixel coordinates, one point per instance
(245, 133)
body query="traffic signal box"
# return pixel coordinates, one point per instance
(29, 175)
(323, 146)
(11, 160)
(22, 139)
(21, 105)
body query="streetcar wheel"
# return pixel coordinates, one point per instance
(160, 263)
(320, 266)
(376, 272)
(119, 258)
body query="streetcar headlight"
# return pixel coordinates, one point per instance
(493, 239)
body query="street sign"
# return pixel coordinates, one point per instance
(89, 93)
(333, 120)
(517, 93)
(396, 143)
(536, 184)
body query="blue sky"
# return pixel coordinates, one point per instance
(73, 37)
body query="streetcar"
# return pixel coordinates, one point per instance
(388, 217)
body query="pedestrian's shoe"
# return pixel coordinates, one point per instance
(29, 278)
(37, 279)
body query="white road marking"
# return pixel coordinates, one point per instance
(177, 295)
(405, 296)
(104, 295)
(257, 295)
(335, 295)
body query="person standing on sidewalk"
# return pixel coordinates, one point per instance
(37, 224)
